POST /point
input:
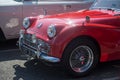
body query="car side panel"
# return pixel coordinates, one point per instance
(55, 7)
(30, 8)
(10, 15)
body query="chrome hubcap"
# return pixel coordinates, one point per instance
(81, 59)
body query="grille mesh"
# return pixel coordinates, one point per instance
(27, 40)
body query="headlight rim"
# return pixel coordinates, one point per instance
(51, 33)
(26, 20)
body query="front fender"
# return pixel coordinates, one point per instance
(71, 32)
(64, 38)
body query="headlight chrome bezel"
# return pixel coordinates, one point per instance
(51, 32)
(26, 22)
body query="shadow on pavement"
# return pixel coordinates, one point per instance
(39, 71)
(11, 55)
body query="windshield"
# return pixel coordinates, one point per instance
(106, 4)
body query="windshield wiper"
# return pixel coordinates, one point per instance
(105, 8)
(111, 9)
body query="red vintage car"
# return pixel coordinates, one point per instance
(79, 40)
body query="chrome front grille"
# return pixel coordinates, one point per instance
(27, 40)
(28, 37)
(31, 42)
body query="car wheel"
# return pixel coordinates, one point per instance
(80, 57)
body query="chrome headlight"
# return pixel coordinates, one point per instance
(51, 31)
(26, 22)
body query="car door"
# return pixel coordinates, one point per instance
(110, 38)
(115, 35)
(10, 17)
(114, 38)
(48, 7)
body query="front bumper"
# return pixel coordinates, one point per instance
(34, 52)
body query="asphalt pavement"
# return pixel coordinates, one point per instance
(13, 66)
(8, 45)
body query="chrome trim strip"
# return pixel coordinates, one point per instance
(49, 58)
(42, 56)
(29, 46)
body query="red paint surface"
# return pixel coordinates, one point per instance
(104, 27)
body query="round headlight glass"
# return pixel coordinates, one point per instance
(51, 31)
(26, 22)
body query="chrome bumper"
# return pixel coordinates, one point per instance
(34, 53)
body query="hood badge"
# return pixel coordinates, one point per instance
(39, 25)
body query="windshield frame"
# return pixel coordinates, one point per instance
(105, 8)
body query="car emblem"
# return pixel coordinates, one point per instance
(39, 25)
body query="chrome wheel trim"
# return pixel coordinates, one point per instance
(81, 59)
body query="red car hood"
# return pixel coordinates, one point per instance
(81, 14)
(66, 19)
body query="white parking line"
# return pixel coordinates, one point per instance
(10, 50)
(114, 78)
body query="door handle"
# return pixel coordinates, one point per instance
(44, 11)
(68, 6)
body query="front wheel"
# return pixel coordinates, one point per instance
(80, 57)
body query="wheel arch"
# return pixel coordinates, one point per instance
(85, 37)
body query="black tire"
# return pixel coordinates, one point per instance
(87, 49)
(2, 37)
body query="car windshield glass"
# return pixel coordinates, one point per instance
(106, 4)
